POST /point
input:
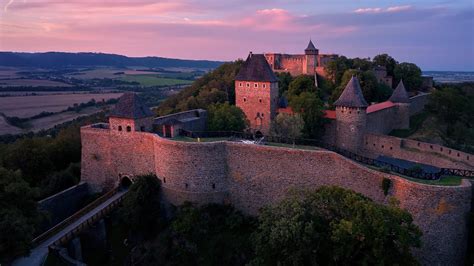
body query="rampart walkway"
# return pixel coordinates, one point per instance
(70, 227)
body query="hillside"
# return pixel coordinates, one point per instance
(61, 60)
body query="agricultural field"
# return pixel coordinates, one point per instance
(6, 128)
(28, 106)
(154, 80)
(48, 122)
(32, 82)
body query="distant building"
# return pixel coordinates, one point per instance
(380, 73)
(309, 63)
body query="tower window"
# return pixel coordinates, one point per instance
(186, 185)
(245, 99)
(129, 128)
(213, 186)
(255, 85)
(164, 180)
(260, 100)
(240, 84)
(264, 86)
(248, 85)
(119, 128)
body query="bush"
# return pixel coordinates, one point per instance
(226, 117)
(334, 226)
(386, 183)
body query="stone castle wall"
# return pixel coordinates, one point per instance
(418, 102)
(417, 151)
(382, 121)
(251, 177)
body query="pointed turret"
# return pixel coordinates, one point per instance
(352, 95)
(400, 94)
(311, 49)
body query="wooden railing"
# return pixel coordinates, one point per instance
(73, 218)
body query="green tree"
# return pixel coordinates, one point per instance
(336, 68)
(411, 75)
(372, 90)
(226, 117)
(284, 80)
(334, 226)
(288, 126)
(311, 108)
(141, 206)
(362, 64)
(302, 83)
(18, 214)
(387, 61)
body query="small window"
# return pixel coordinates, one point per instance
(260, 100)
(186, 185)
(263, 114)
(248, 85)
(164, 180)
(240, 84)
(264, 86)
(391, 148)
(431, 146)
(213, 186)
(129, 128)
(383, 146)
(255, 85)
(441, 149)
(119, 128)
(374, 144)
(459, 154)
(245, 99)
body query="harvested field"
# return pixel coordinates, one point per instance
(28, 106)
(52, 120)
(32, 82)
(154, 80)
(6, 128)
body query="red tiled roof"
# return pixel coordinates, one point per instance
(379, 106)
(286, 110)
(331, 114)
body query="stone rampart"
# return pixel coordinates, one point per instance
(382, 121)
(251, 176)
(418, 102)
(417, 151)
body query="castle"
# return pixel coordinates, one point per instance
(256, 93)
(309, 63)
(249, 177)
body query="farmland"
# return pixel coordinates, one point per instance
(28, 106)
(154, 80)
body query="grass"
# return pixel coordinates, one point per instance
(286, 145)
(416, 122)
(155, 80)
(188, 139)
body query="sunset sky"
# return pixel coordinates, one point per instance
(436, 35)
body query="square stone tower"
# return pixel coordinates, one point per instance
(256, 92)
(130, 115)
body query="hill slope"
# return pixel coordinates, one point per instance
(61, 60)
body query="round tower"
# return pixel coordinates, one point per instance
(351, 117)
(311, 59)
(400, 99)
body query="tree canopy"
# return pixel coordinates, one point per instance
(334, 226)
(411, 75)
(226, 117)
(288, 126)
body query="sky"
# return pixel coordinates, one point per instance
(434, 34)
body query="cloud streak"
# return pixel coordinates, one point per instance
(375, 10)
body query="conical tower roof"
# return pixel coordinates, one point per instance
(256, 68)
(311, 46)
(131, 106)
(400, 94)
(352, 95)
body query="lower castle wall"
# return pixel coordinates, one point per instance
(250, 177)
(417, 151)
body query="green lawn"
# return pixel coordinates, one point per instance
(154, 80)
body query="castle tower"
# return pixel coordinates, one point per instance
(130, 115)
(400, 98)
(351, 117)
(311, 59)
(256, 92)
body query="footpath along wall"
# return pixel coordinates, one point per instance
(251, 176)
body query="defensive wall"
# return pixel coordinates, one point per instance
(418, 102)
(417, 151)
(251, 176)
(63, 204)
